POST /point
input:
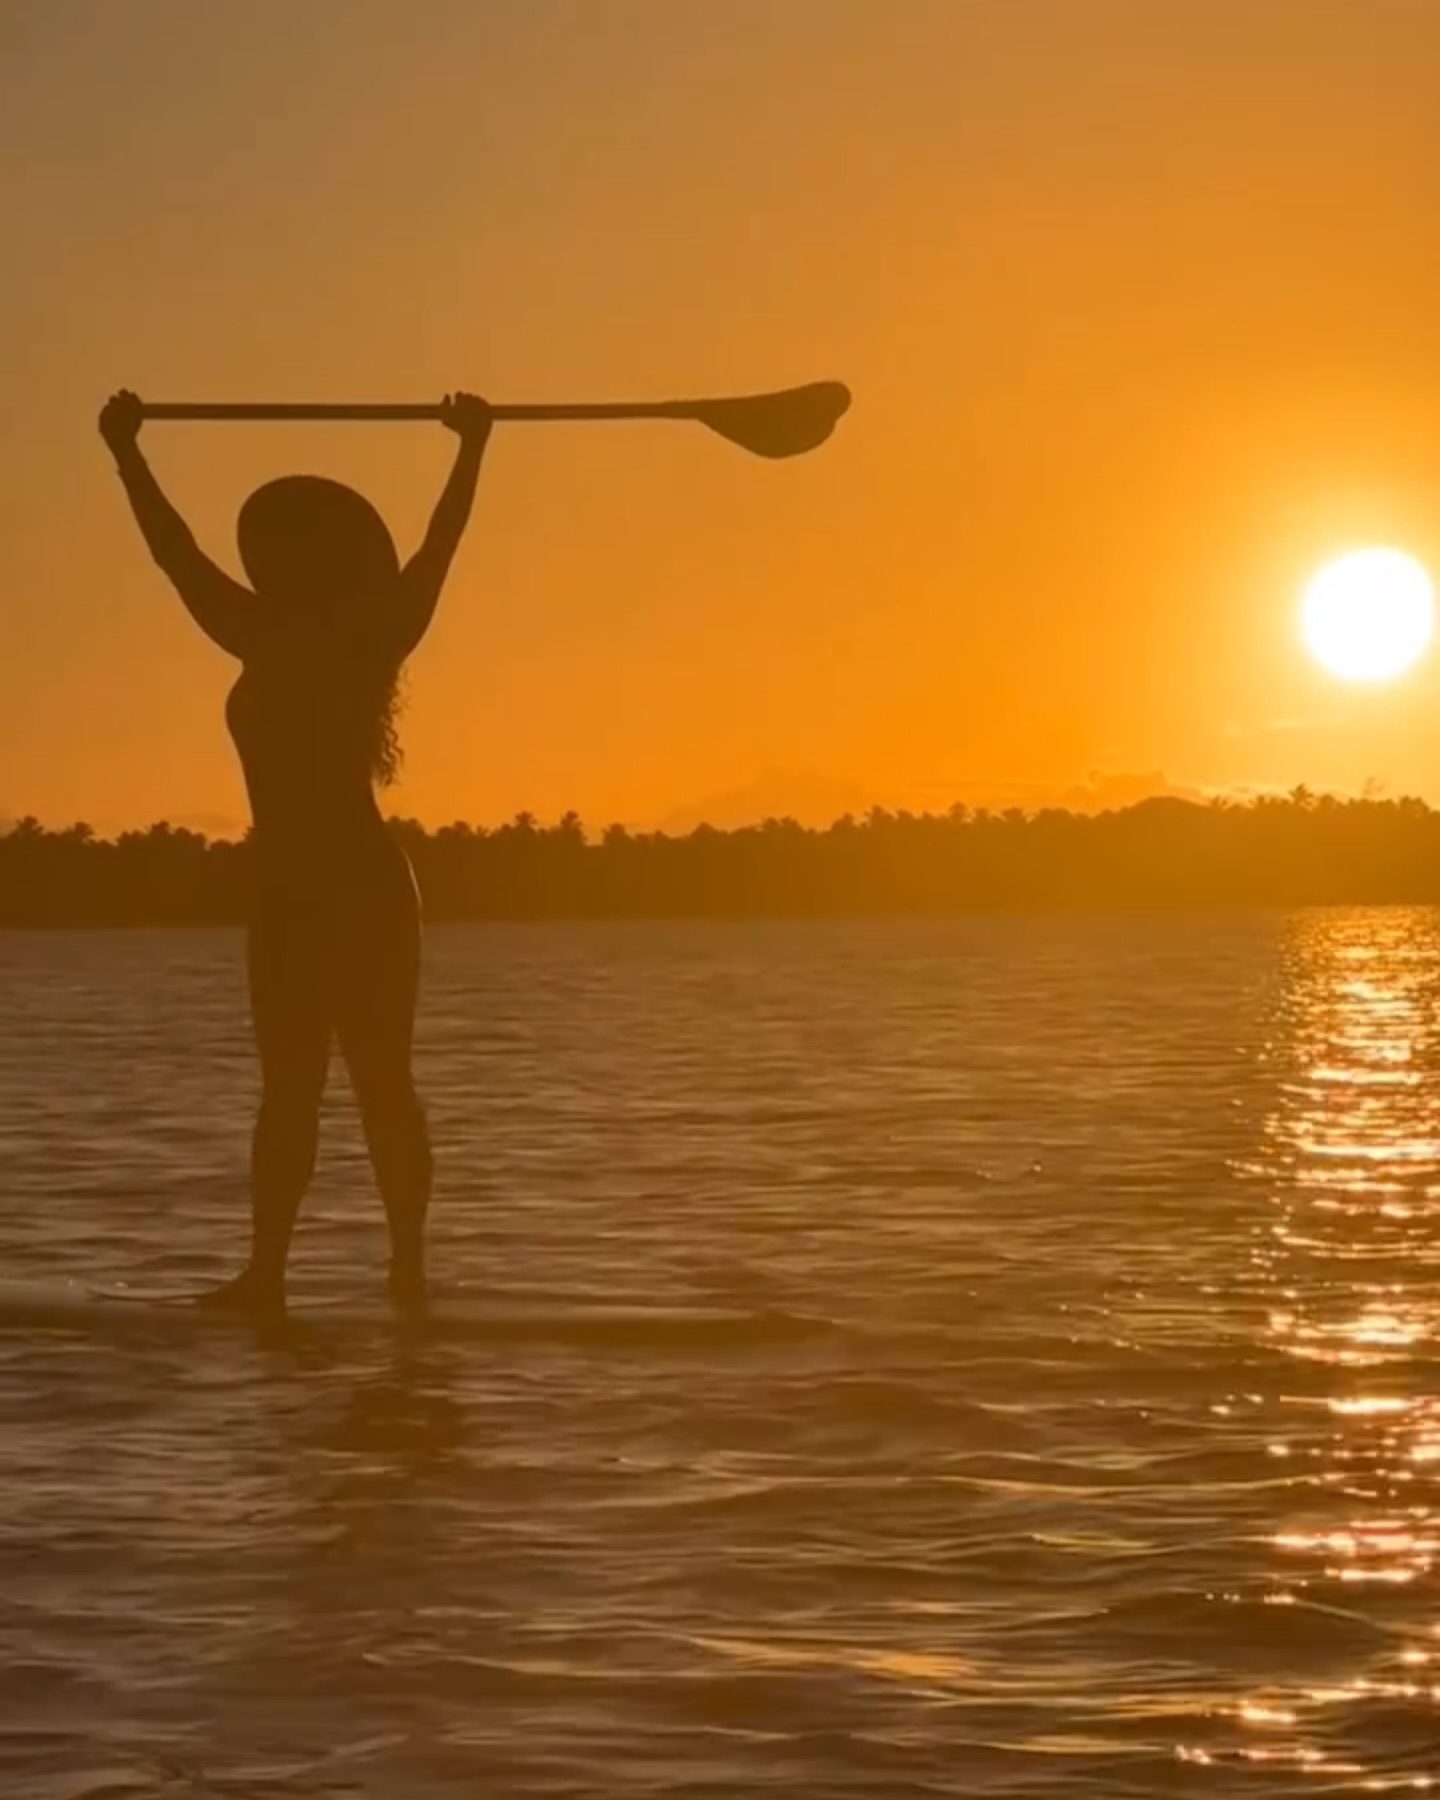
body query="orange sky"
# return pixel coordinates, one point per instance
(1140, 303)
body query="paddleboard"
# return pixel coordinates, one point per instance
(73, 1307)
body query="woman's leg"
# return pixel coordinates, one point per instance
(377, 984)
(290, 1006)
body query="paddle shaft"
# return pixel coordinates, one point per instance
(385, 410)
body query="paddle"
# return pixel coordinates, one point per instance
(783, 424)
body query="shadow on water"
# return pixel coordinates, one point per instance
(363, 1558)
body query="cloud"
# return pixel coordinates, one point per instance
(1107, 790)
(1101, 790)
(810, 798)
(815, 799)
(1232, 728)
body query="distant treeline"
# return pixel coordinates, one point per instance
(1303, 848)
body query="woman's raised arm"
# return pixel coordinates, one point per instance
(225, 611)
(424, 574)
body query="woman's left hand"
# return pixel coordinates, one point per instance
(120, 420)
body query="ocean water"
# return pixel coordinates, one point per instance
(1080, 1434)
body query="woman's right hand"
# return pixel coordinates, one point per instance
(468, 416)
(120, 420)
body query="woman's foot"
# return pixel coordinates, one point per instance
(247, 1293)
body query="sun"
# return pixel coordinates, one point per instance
(1369, 616)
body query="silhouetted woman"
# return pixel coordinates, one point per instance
(334, 939)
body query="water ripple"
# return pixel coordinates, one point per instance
(1077, 1433)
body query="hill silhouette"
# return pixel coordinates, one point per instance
(1300, 849)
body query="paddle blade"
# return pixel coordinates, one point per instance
(784, 424)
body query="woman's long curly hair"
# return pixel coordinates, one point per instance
(322, 550)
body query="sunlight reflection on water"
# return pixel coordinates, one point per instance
(1351, 1152)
